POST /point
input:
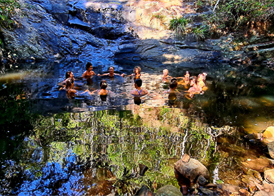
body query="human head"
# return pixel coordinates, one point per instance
(165, 72)
(138, 82)
(187, 74)
(193, 80)
(88, 65)
(137, 69)
(68, 74)
(103, 84)
(173, 84)
(111, 69)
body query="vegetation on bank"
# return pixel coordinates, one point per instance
(7, 8)
(246, 17)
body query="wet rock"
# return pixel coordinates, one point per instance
(268, 134)
(205, 191)
(144, 191)
(259, 164)
(269, 175)
(229, 189)
(190, 171)
(262, 193)
(168, 190)
(270, 147)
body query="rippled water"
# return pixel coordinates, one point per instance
(51, 145)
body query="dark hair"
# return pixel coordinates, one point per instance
(137, 67)
(138, 82)
(68, 83)
(110, 67)
(173, 80)
(103, 84)
(194, 78)
(68, 74)
(88, 65)
(173, 83)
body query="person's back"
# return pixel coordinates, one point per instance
(138, 91)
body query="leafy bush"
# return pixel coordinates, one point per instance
(237, 14)
(178, 25)
(200, 33)
(6, 9)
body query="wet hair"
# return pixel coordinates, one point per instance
(173, 84)
(103, 84)
(69, 82)
(173, 80)
(88, 65)
(68, 74)
(138, 82)
(194, 78)
(137, 67)
(110, 67)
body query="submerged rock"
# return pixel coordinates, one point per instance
(269, 175)
(168, 190)
(189, 171)
(270, 147)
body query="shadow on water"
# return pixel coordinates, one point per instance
(55, 146)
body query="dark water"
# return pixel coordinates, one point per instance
(54, 146)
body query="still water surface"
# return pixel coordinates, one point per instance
(52, 145)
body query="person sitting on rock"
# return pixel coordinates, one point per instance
(70, 92)
(111, 73)
(138, 91)
(88, 73)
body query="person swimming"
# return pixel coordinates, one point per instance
(69, 74)
(165, 75)
(70, 92)
(136, 73)
(103, 92)
(111, 73)
(195, 89)
(138, 91)
(88, 73)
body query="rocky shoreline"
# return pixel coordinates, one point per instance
(120, 31)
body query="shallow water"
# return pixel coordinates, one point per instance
(52, 145)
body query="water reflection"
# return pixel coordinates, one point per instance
(73, 150)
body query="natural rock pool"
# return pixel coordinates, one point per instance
(54, 146)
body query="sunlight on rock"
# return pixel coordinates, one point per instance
(13, 76)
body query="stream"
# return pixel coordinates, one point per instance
(51, 145)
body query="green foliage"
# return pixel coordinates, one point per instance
(178, 25)
(200, 32)
(7, 8)
(199, 3)
(237, 14)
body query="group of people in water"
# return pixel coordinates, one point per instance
(193, 85)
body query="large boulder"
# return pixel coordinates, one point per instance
(191, 170)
